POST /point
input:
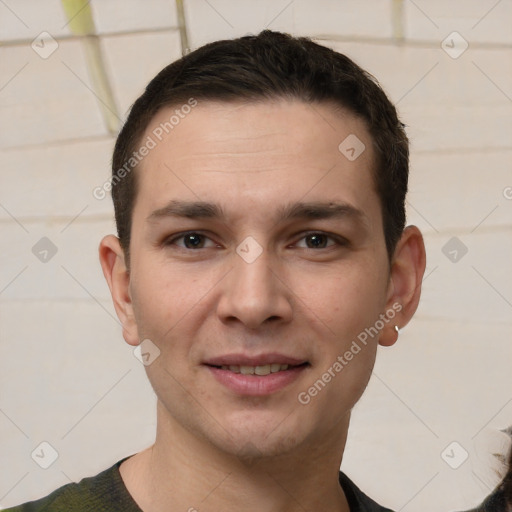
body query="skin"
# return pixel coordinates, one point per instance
(303, 296)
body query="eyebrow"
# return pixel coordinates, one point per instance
(299, 210)
(188, 209)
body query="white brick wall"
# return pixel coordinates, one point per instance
(480, 22)
(447, 379)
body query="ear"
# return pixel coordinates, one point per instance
(406, 275)
(116, 273)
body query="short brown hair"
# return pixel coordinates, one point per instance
(270, 65)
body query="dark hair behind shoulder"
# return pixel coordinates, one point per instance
(500, 500)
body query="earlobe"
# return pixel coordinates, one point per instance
(389, 335)
(118, 279)
(407, 269)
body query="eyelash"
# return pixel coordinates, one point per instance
(340, 241)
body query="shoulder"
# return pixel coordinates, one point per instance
(101, 493)
(357, 500)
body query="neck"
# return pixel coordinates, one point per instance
(192, 474)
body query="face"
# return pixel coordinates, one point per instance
(257, 247)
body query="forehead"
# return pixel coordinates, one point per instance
(260, 154)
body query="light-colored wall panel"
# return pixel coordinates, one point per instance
(57, 180)
(133, 59)
(25, 19)
(50, 99)
(133, 15)
(460, 191)
(67, 378)
(372, 19)
(208, 21)
(473, 283)
(477, 21)
(47, 262)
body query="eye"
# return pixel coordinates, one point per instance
(318, 241)
(191, 240)
(315, 241)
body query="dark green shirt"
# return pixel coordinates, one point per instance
(106, 492)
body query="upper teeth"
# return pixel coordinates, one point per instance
(256, 370)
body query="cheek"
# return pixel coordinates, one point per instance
(336, 387)
(346, 299)
(163, 296)
(350, 383)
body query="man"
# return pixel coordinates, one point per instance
(259, 189)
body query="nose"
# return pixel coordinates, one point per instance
(254, 294)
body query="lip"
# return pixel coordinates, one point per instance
(255, 385)
(256, 360)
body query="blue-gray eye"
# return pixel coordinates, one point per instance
(316, 241)
(192, 240)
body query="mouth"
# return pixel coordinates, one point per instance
(260, 370)
(256, 376)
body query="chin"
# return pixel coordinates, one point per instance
(254, 437)
(248, 448)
